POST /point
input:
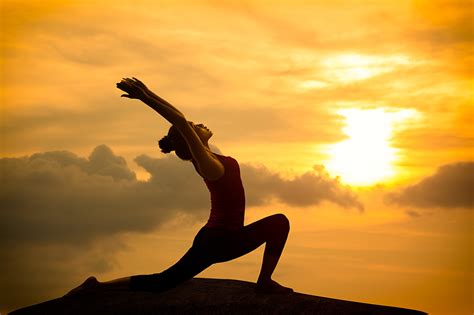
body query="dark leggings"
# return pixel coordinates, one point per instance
(214, 245)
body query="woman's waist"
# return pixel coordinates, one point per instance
(226, 216)
(228, 199)
(225, 221)
(219, 229)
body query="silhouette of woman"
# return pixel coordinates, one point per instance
(223, 237)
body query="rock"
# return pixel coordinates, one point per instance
(206, 296)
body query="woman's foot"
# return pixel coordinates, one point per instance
(271, 287)
(87, 285)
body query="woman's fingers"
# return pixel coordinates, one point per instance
(124, 85)
(129, 91)
(139, 82)
(133, 82)
(132, 87)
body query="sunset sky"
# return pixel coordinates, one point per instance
(353, 118)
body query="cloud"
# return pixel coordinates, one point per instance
(287, 124)
(413, 213)
(59, 197)
(308, 189)
(450, 187)
(430, 139)
(452, 26)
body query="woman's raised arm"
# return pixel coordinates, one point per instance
(207, 163)
(137, 90)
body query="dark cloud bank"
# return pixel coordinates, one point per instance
(452, 186)
(60, 197)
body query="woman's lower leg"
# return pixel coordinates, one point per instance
(273, 249)
(191, 264)
(116, 284)
(268, 266)
(187, 267)
(265, 284)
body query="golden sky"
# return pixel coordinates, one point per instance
(354, 118)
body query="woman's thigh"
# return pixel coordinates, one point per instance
(224, 245)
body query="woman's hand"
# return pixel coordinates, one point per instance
(134, 87)
(140, 84)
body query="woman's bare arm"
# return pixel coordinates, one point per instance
(153, 95)
(137, 90)
(207, 164)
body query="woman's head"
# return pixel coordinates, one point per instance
(174, 141)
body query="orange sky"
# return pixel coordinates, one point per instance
(375, 93)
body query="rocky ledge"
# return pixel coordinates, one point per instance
(207, 296)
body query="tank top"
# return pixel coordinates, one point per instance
(227, 196)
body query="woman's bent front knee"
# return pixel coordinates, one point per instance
(282, 222)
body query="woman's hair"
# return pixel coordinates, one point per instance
(174, 141)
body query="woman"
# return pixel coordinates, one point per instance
(224, 237)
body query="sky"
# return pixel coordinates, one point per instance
(353, 118)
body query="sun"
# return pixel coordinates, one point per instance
(366, 157)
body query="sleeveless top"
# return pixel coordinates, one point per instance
(227, 196)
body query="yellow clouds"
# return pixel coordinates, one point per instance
(280, 72)
(354, 67)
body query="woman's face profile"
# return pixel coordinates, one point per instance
(203, 132)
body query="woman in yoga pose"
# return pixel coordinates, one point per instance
(223, 237)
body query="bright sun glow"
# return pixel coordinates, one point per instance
(354, 67)
(366, 157)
